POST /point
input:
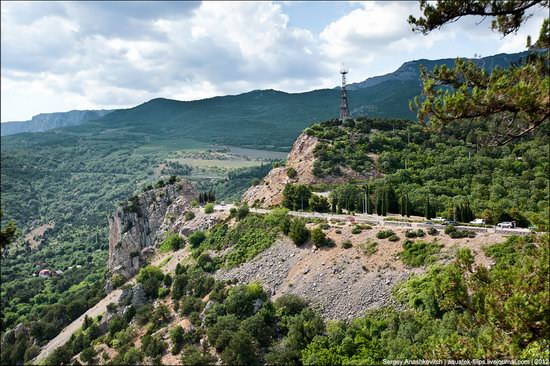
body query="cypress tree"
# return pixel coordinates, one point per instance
(407, 205)
(427, 211)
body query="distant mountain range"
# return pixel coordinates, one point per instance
(260, 118)
(48, 121)
(410, 70)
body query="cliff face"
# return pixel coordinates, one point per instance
(301, 159)
(48, 121)
(135, 229)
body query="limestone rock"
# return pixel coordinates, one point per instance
(137, 227)
(138, 296)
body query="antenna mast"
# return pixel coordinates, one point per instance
(344, 110)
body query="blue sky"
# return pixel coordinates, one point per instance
(58, 56)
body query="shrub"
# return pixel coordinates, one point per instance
(346, 244)
(189, 215)
(415, 233)
(418, 253)
(298, 232)
(132, 357)
(356, 230)
(393, 238)
(291, 172)
(457, 234)
(117, 280)
(242, 212)
(279, 217)
(151, 277)
(173, 242)
(209, 208)
(318, 237)
(191, 356)
(232, 212)
(196, 238)
(433, 231)
(384, 234)
(369, 247)
(449, 229)
(88, 354)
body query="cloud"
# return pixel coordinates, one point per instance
(69, 55)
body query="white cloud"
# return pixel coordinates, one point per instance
(67, 55)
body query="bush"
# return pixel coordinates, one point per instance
(196, 238)
(189, 215)
(132, 357)
(449, 229)
(173, 242)
(369, 247)
(88, 354)
(232, 212)
(418, 253)
(356, 230)
(346, 244)
(384, 234)
(191, 356)
(291, 172)
(433, 231)
(209, 208)
(415, 233)
(298, 232)
(151, 277)
(117, 280)
(457, 234)
(393, 238)
(242, 212)
(318, 237)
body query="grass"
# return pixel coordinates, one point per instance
(219, 163)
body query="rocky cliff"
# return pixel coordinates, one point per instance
(137, 227)
(48, 121)
(301, 158)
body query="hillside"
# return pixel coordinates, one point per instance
(49, 121)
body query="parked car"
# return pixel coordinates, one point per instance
(506, 225)
(478, 222)
(450, 222)
(438, 219)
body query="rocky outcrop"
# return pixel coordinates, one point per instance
(139, 226)
(301, 158)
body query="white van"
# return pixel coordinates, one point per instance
(478, 222)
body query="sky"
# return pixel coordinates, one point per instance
(59, 56)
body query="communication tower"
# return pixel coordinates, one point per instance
(344, 110)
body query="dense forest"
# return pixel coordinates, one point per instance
(437, 172)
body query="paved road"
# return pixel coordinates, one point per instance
(101, 306)
(380, 220)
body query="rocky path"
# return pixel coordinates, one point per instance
(101, 307)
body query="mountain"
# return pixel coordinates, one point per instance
(265, 119)
(410, 70)
(48, 121)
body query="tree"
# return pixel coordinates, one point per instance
(241, 350)
(151, 277)
(510, 102)
(7, 233)
(242, 212)
(196, 238)
(177, 336)
(296, 197)
(427, 208)
(298, 232)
